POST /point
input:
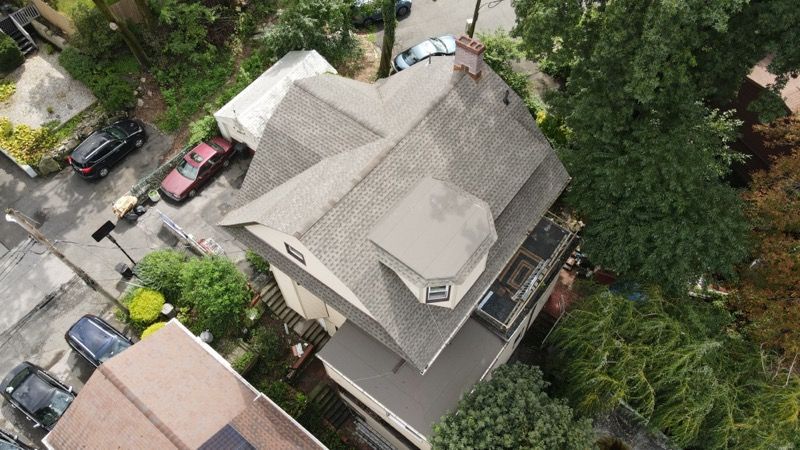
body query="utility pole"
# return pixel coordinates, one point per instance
(127, 36)
(471, 30)
(15, 216)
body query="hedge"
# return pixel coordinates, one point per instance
(145, 306)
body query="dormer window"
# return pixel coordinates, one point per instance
(437, 294)
(295, 253)
(436, 239)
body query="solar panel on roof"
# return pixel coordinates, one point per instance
(228, 438)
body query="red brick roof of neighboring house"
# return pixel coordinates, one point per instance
(790, 93)
(172, 391)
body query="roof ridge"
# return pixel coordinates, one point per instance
(336, 107)
(147, 412)
(380, 157)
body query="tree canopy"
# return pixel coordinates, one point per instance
(769, 292)
(512, 411)
(645, 152)
(682, 366)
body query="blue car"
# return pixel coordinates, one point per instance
(368, 12)
(95, 340)
(435, 46)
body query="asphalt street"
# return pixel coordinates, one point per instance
(437, 17)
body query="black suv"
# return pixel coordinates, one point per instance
(368, 12)
(96, 340)
(102, 149)
(38, 395)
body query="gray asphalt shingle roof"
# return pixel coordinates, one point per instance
(427, 121)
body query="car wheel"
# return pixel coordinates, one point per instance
(139, 142)
(193, 193)
(103, 172)
(403, 11)
(226, 163)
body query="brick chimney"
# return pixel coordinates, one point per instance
(469, 56)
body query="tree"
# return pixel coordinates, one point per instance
(322, 25)
(130, 39)
(161, 271)
(681, 365)
(769, 292)
(389, 25)
(512, 411)
(646, 153)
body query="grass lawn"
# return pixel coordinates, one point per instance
(65, 6)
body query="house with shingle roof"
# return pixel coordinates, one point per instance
(408, 217)
(173, 391)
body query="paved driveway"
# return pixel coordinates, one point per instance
(40, 339)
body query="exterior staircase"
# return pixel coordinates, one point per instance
(14, 26)
(332, 408)
(313, 332)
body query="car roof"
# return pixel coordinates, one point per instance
(91, 332)
(203, 151)
(91, 144)
(34, 392)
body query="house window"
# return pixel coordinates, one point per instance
(296, 254)
(437, 294)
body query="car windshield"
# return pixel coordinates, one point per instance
(48, 414)
(187, 170)
(116, 132)
(113, 347)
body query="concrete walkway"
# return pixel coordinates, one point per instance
(45, 92)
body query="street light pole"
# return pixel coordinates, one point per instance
(15, 216)
(474, 18)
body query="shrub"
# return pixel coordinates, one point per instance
(267, 343)
(257, 262)
(7, 89)
(290, 400)
(25, 144)
(10, 56)
(112, 81)
(244, 362)
(145, 306)
(202, 129)
(217, 291)
(161, 271)
(152, 329)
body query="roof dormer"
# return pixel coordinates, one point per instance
(436, 239)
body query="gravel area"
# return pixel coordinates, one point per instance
(44, 86)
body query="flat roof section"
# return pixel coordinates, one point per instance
(419, 400)
(532, 266)
(435, 229)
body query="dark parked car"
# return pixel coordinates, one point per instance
(197, 168)
(368, 12)
(96, 340)
(435, 46)
(10, 441)
(39, 396)
(95, 156)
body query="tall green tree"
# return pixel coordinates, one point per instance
(646, 153)
(512, 411)
(130, 39)
(682, 366)
(389, 25)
